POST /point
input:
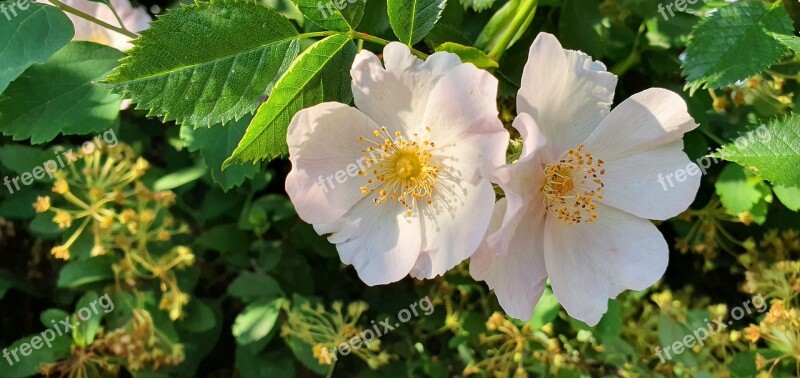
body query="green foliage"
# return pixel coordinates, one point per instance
(41, 25)
(257, 320)
(215, 72)
(59, 97)
(212, 272)
(581, 27)
(741, 191)
(501, 32)
(216, 144)
(319, 74)
(468, 54)
(412, 20)
(714, 55)
(775, 158)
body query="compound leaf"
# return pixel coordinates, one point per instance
(207, 63)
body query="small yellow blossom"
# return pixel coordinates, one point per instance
(42, 204)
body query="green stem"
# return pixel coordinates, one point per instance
(633, 58)
(383, 42)
(318, 34)
(330, 370)
(712, 136)
(68, 9)
(526, 11)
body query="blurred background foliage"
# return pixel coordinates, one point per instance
(213, 274)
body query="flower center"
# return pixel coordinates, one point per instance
(571, 186)
(402, 168)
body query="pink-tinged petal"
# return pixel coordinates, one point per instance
(379, 241)
(326, 156)
(566, 92)
(589, 263)
(643, 122)
(462, 116)
(396, 97)
(521, 182)
(453, 226)
(647, 185)
(517, 277)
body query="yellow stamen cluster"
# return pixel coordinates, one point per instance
(571, 186)
(403, 169)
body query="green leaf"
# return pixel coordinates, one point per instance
(7, 282)
(21, 158)
(60, 96)
(744, 194)
(249, 364)
(180, 178)
(737, 189)
(790, 41)
(257, 320)
(199, 317)
(207, 63)
(501, 22)
(412, 20)
(216, 144)
(339, 15)
(86, 329)
(772, 153)
(477, 5)
(249, 287)
(33, 36)
(468, 54)
(28, 366)
(789, 196)
(546, 310)
(714, 55)
(581, 27)
(319, 74)
(224, 238)
(83, 272)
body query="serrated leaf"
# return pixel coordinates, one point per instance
(773, 155)
(468, 54)
(477, 5)
(207, 63)
(412, 20)
(60, 97)
(714, 55)
(216, 144)
(33, 36)
(319, 74)
(790, 41)
(338, 15)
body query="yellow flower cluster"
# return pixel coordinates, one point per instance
(103, 198)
